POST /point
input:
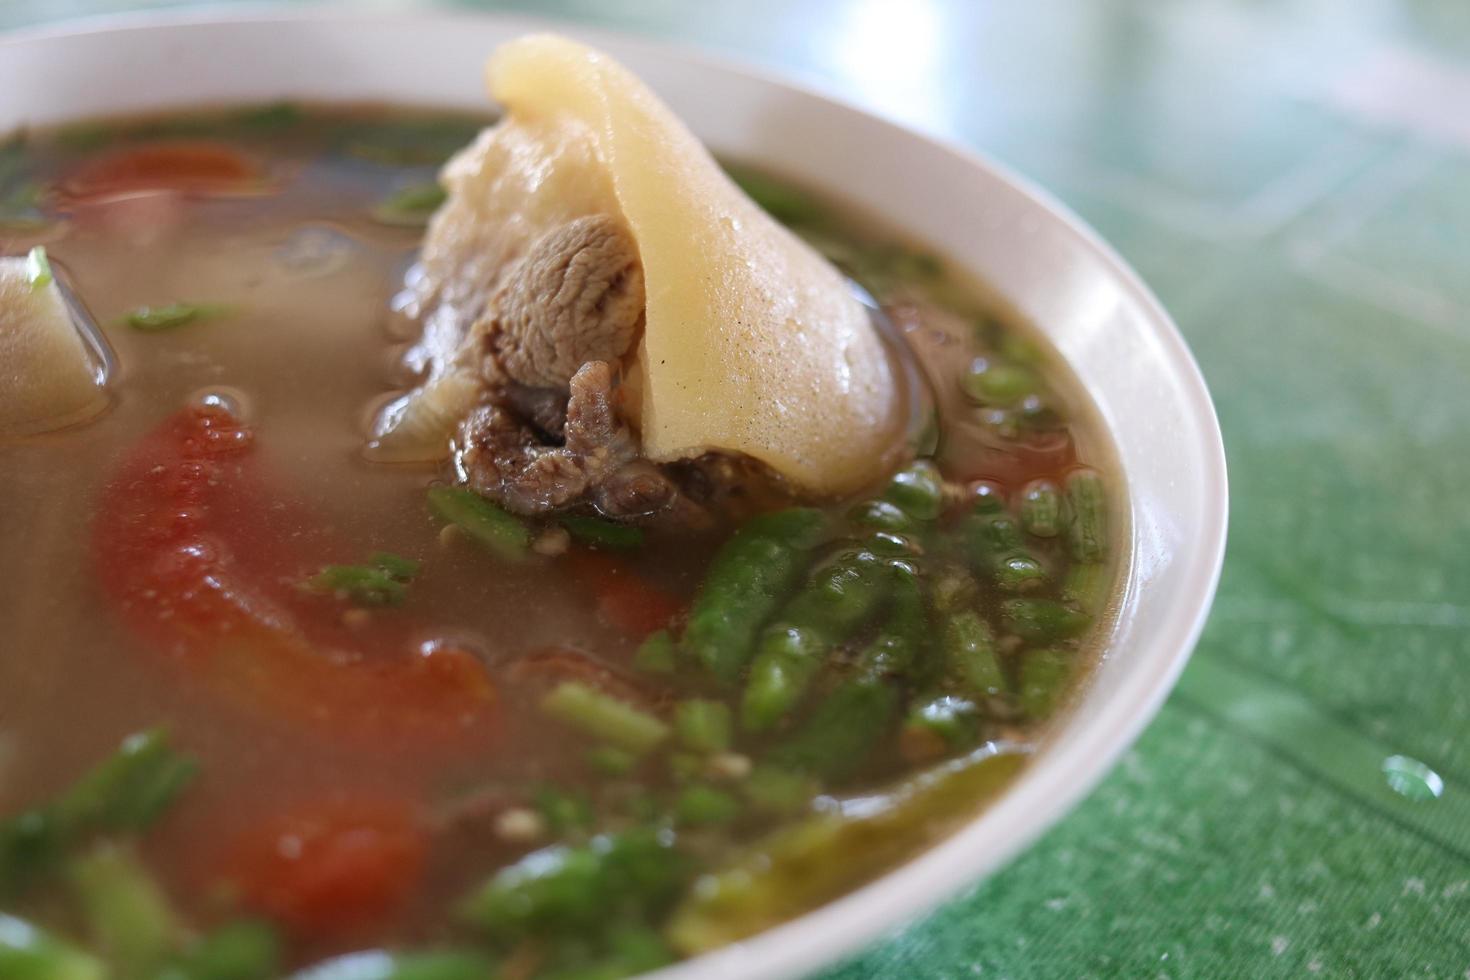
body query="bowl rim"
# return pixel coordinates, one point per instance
(1055, 783)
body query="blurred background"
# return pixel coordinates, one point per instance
(1292, 177)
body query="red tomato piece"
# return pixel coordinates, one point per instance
(331, 869)
(625, 600)
(185, 166)
(204, 563)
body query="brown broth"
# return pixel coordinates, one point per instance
(307, 347)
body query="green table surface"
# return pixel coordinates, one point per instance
(1293, 179)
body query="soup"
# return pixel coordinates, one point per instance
(275, 696)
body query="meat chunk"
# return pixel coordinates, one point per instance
(505, 458)
(576, 297)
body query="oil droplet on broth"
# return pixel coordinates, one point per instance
(1412, 779)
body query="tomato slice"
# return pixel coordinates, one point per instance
(195, 167)
(329, 869)
(204, 564)
(625, 600)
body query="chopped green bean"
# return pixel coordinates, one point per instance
(1042, 620)
(918, 490)
(969, 655)
(745, 584)
(1041, 509)
(38, 268)
(564, 890)
(1088, 516)
(699, 806)
(29, 953)
(843, 729)
(505, 536)
(880, 514)
(900, 642)
(1019, 573)
(776, 791)
(603, 533)
(836, 600)
(987, 497)
(655, 655)
(241, 950)
(806, 864)
(410, 206)
(702, 725)
(564, 813)
(1045, 676)
(126, 914)
(153, 319)
(1086, 586)
(609, 760)
(604, 716)
(952, 722)
(997, 383)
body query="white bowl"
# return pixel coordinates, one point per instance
(999, 228)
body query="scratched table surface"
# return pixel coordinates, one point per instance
(1293, 179)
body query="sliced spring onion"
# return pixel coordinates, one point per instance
(38, 268)
(604, 717)
(152, 319)
(494, 528)
(601, 533)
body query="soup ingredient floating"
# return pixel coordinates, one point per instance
(604, 296)
(52, 372)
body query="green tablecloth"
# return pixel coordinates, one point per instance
(1293, 179)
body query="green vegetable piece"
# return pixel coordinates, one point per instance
(969, 655)
(1041, 509)
(271, 117)
(778, 792)
(918, 490)
(126, 914)
(242, 950)
(564, 813)
(655, 655)
(951, 589)
(611, 761)
(1087, 507)
(383, 965)
(38, 268)
(825, 855)
(1019, 573)
(699, 806)
(1087, 587)
(1046, 675)
(837, 599)
(749, 577)
(954, 722)
(998, 383)
(604, 717)
(703, 726)
(410, 206)
(120, 795)
(778, 199)
(130, 789)
(505, 536)
(360, 584)
(842, 731)
(881, 514)
(601, 533)
(154, 319)
(901, 641)
(400, 568)
(29, 953)
(564, 890)
(1042, 620)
